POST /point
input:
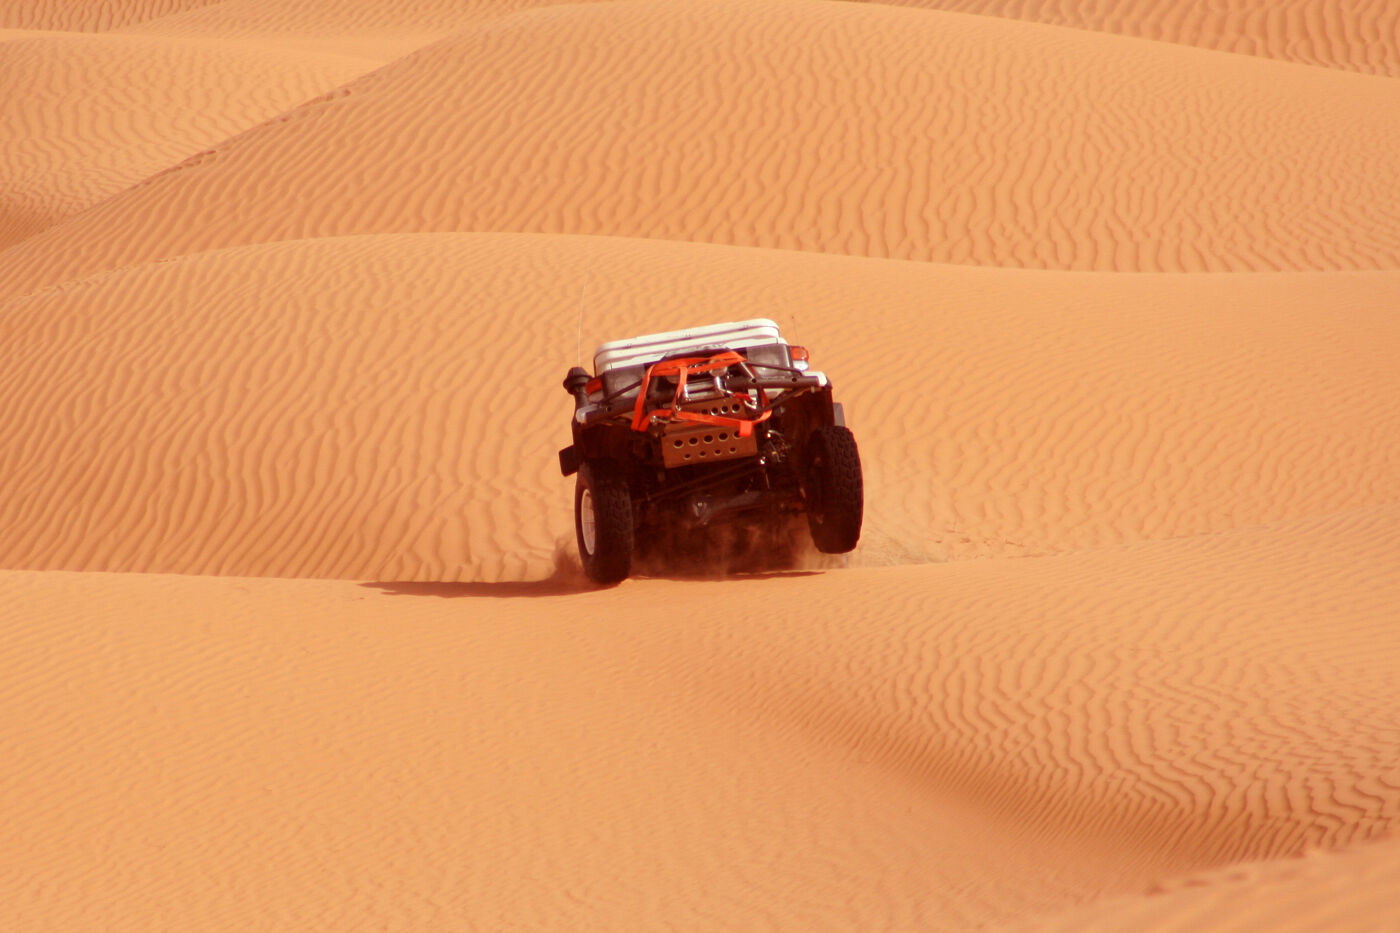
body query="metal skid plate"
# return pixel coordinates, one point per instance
(686, 444)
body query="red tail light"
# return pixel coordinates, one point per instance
(594, 385)
(797, 353)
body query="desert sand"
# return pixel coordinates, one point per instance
(294, 634)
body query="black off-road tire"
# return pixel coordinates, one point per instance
(835, 491)
(601, 490)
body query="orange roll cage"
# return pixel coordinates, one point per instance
(682, 369)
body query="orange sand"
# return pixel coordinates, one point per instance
(89, 115)
(1354, 35)
(287, 290)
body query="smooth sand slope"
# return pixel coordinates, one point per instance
(1356, 35)
(899, 748)
(841, 128)
(391, 405)
(87, 115)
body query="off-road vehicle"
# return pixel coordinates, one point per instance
(679, 432)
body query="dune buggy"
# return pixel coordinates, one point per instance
(677, 432)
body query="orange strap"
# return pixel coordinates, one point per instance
(682, 369)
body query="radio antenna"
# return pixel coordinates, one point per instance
(583, 294)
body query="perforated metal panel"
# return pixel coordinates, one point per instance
(685, 444)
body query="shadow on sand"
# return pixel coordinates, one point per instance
(732, 553)
(557, 587)
(510, 590)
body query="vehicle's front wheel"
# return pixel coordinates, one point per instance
(603, 521)
(835, 491)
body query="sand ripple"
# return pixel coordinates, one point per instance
(390, 405)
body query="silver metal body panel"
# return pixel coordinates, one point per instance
(648, 348)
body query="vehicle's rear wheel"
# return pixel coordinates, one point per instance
(835, 492)
(603, 520)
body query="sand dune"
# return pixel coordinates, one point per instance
(919, 747)
(940, 137)
(88, 115)
(1118, 650)
(390, 406)
(1356, 35)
